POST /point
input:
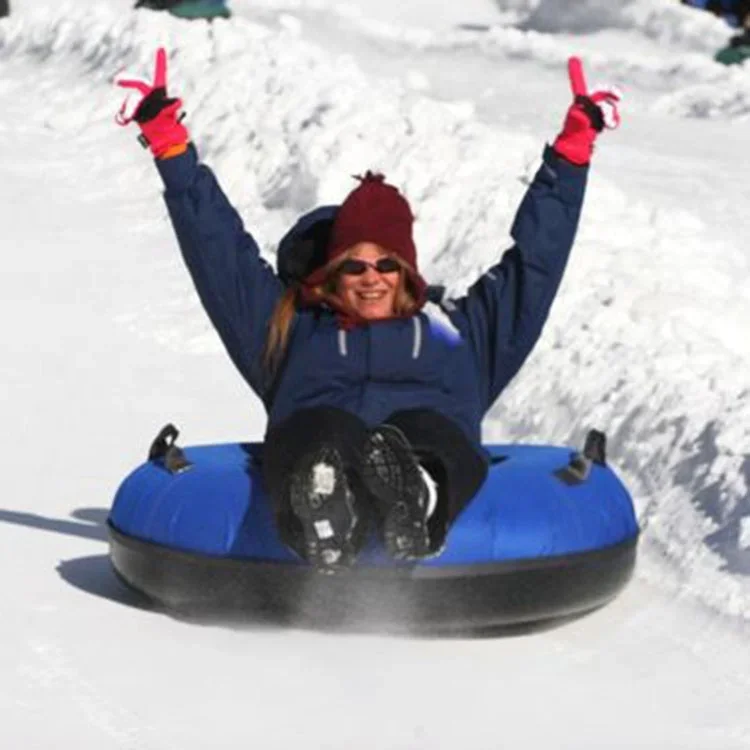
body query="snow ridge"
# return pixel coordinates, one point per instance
(675, 60)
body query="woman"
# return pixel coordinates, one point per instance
(374, 407)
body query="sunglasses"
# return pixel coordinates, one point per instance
(356, 267)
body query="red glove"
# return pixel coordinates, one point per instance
(157, 115)
(587, 117)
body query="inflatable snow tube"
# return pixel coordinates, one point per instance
(550, 535)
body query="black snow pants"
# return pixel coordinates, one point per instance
(440, 446)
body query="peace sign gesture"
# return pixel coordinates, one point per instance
(590, 113)
(605, 98)
(157, 114)
(143, 92)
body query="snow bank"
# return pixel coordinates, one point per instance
(727, 99)
(667, 22)
(645, 341)
(687, 39)
(675, 59)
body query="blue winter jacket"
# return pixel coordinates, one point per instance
(455, 362)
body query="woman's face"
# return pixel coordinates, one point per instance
(371, 294)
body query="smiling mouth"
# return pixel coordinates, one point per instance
(371, 296)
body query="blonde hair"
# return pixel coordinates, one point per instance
(280, 324)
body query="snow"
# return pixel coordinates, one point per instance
(104, 341)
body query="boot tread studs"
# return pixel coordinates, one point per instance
(392, 475)
(321, 499)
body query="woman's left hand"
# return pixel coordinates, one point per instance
(590, 113)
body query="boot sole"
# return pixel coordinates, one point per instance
(322, 501)
(405, 526)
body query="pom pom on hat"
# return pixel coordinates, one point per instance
(374, 212)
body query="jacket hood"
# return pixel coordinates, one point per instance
(304, 247)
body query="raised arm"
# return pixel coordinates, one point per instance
(237, 287)
(505, 310)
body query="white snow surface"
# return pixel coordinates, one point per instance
(104, 341)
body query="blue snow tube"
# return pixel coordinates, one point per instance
(550, 534)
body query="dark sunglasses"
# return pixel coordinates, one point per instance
(356, 267)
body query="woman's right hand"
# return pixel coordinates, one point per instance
(157, 114)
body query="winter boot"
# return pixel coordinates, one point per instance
(393, 476)
(322, 500)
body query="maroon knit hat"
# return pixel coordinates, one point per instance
(374, 212)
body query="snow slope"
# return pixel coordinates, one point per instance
(105, 340)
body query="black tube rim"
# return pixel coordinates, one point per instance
(467, 597)
(398, 570)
